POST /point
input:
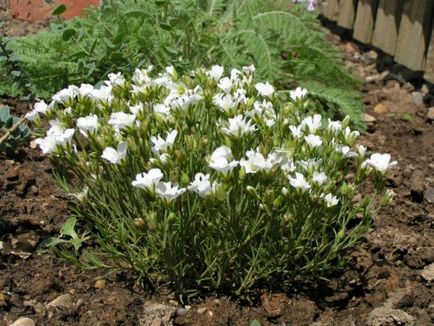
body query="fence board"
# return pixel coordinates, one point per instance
(330, 9)
(365, 19)
(347, 13)
(429, 68)
(413, 33)
(387, 25)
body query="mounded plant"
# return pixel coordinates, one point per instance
(207, 182)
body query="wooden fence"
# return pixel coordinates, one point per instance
(401, 28)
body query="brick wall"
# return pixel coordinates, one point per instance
(35, 10)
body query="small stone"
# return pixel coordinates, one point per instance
(429, 195)
(387, 316)
(210, 313)
(100, 283)
(3, 299)
(369, 118)
(23, 321)
(63, 301)
(33, 144)
(156, 314)
(380, 108)
(33, 190)
(425, 89)
(181, 311)
(430, 114)
(417, 98)
(428, 273)
(201, 310)
(408, 87)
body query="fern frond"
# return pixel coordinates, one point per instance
(346, 102)
(266, 58)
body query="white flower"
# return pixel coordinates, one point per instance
(298, 94)
(309, 164)
(235, 73)
(85, 89)
(221, 160)
(148, 180)
(86, 124)
(168, 192)
(201, 185)
(249, 69)
(313, 140)
(66, 94)
(265, 89)
(121, 120)
(115, 156)
(161, 144)
(348, 134)
(240, 96)
(346, 151)
(361, 150)
(56, 135)
(170, 71)
(225, 84)
(216, 72)
(334, 125)
(224, 102)
(319, 177)
(380, 162)
(116, 79)
(238, 126)
(282, 159)
(162, 109)
(103, 94)
(330, 200)
(296, 131)
(299, 182)
(259, 108)
(256, 162)
(313, 123)
(32, 115)
(41, 107)
(135, 109)
(47, 144)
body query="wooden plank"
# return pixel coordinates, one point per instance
(365, 19)
(330, 9)
(347, 13)
(429, 68)
(387, 25)
(413, 34)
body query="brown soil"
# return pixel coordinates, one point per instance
(383, 284)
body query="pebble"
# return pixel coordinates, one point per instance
(181, 311)
(380, 108)
(201, 310)
(100, 283)
(23, 321)
(429, 195)
(408, 87)
(369, 118)
(428, 273)
(417, 98)
(63, 301)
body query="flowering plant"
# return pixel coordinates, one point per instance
(209, 182)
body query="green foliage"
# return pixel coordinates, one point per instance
(283, 41)
(17, 137)
(14, 80)
(250, 189)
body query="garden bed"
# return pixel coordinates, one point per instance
(387, 281)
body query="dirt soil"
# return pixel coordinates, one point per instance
(389, 280)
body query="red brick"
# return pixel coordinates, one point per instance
(35, 10)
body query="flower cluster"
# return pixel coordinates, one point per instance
(216, 154)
